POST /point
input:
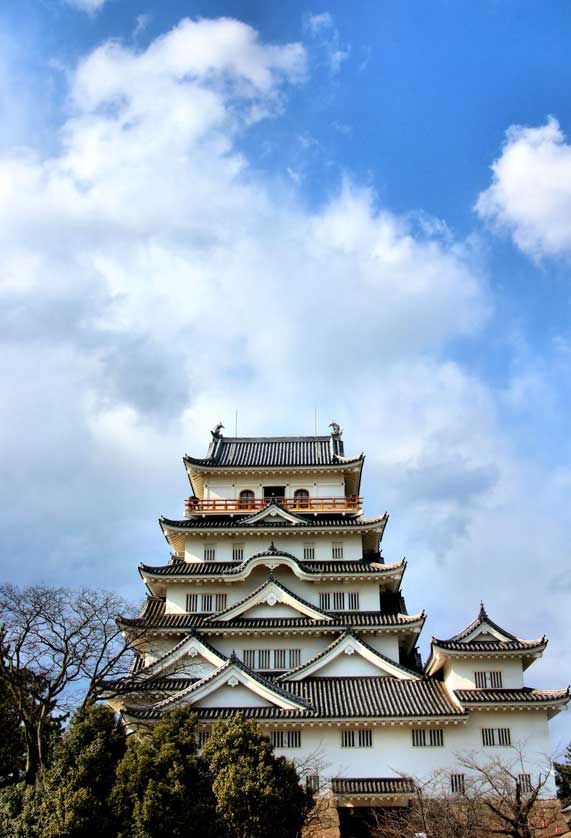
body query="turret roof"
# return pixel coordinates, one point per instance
(491, 638)
(272, 452)
(305, 522)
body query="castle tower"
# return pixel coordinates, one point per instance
(278, 603)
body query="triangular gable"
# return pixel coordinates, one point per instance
(486, 631)
(231, 675)
(273, 512)
(349, 644)
(270, 593)
(172, 662)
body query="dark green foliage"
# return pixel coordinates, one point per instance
(257, 793)
(12, 751)
(71, 798)
(563, 777)
(163, 788)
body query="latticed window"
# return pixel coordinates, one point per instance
(339, 601)
(325, 601)
(286, 738)
(220, 601)
(312, 782)
(250, 658)
(238, 552)
(457, 784)
(294, 658)
(192, 602)
(489, 680)
(337, 550)
(209, 552)
(279, 659)
(496, 736)
(206, 602)
(365, 738)
(432, 738)
(264, 658)
(202, 737)
(347, 738)
(353, 603)
(308, 552)
(524, 781)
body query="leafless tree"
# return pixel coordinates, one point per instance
(499, 798)
(57, 647)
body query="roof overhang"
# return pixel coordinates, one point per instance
(439, 655)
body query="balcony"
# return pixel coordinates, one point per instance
(217, 506)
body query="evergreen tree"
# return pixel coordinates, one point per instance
(257, 793)
(12, 752)
(563, 777)
(163, 788)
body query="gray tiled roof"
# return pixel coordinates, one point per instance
(372, 785)
(459, 643)
(178, 567)
(250, 452)
(346, 698)
(221, 522)
(153, 616)
(524, 695)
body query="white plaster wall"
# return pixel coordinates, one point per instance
(227, 696)
(349, 665)
(309, 646)
(459, 674)
(318, 486)
(385, 644)
(393, 753)
(352, 545)
(309, 591)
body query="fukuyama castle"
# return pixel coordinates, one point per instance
(277, 602)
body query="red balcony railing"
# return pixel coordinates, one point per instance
(195, 506)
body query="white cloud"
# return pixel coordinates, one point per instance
(90, 6)
(323, 30)
(530, 193)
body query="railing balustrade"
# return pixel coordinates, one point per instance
(197, 506)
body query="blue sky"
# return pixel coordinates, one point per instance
(363, 209)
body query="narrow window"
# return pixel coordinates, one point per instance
(312, 782)
(524, 781)
(457, 785)
(237, 552)
(301, 498)
(209, 552)
(308, 552)
(365, 738)
(294, 739)
(202, 737)
(279, 659)
(220, 602)
(246, 499)
(250, 658)
(436, 736)
(294, 658)
(325, 601)
(278, 738)
(264, 659)
(419, 738)
(192, 602)
(339, 601)
(337, 550)
(496, 736)
(353, 601)
(347, 738)
(487, 680)
(206, 602)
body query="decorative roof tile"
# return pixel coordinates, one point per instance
(272, 452)
(524, 695)
(179, 567)
(372, 785)
(307, 522)
(345, 698)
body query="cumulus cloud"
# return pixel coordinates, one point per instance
(530, 193)
(154, 280)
